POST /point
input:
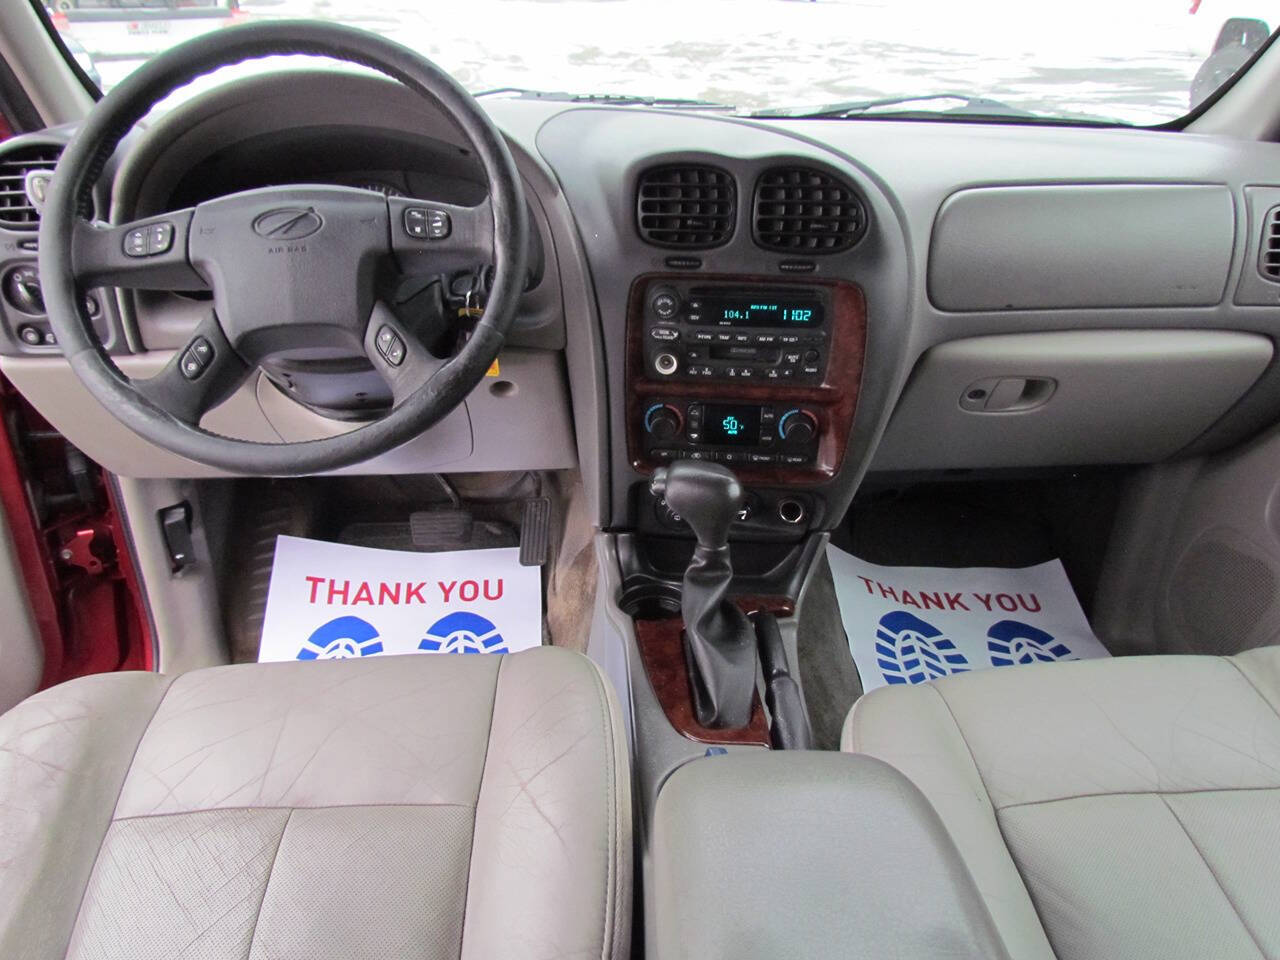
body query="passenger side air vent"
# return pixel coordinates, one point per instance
(16, 210)
(687, 206)
(1269, 262)
(802, 210)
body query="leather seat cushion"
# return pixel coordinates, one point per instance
(388, 807)
(1126, 807)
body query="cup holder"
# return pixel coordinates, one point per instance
(647, 599)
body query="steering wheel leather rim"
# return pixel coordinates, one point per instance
(83, 161)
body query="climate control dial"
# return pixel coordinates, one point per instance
(663, 421)
(797, 427)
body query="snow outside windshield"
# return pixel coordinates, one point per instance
(1135, 61)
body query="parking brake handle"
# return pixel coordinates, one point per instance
(719, 642)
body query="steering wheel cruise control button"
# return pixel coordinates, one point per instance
(390, 346)
(425, 223)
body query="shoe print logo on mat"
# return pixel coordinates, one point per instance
(341, 639)
(463, 632)
(911, 650)
(1012, 642)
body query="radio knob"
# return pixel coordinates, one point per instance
(798, 428)
(662, 421)
(665, 303)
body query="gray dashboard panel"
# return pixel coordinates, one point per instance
(1082, 245)
(1115, 396)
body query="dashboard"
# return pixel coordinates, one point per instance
(807, 302)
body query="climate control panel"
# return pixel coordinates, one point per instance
(748, 434)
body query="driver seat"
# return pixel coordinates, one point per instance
(424, 806)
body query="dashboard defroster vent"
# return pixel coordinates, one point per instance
(803, 210)
(689, 206)
(1269, 262)
(16, 209)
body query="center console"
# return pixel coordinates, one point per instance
(759, 374)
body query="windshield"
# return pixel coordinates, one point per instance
(1131, 61)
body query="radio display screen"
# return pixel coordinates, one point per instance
(763, 309)
(731, 423)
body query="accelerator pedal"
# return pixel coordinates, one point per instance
(535, 532)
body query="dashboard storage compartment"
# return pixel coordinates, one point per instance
(1086, 397)
(1082, 245)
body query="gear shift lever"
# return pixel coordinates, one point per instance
(720, 644)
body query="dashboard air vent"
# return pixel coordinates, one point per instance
(16, 210)
(1270, 260)
(687, 206)
(802, 210)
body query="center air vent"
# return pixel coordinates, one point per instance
(687, 206)
(16, 210)
(1269, 262)
(802, 210)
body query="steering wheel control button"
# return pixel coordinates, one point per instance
(149, 241)
(135, 242)
(426, 223)
(159, 238)
(197, 356)
(390, 346)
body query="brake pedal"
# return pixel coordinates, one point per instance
(430, 529)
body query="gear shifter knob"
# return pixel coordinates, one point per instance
(720, 645)
(707, 495)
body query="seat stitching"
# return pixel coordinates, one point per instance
(1135, 793)
(1013, 861)
(1216, 879)
(266, 887)
(475, 818)
(1252, 685)
(321, 806)
(75, 922)
(612, 840)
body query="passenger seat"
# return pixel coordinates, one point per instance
(1106, 808)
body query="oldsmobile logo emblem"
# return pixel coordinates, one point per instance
(287, 223)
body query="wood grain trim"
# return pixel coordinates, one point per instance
(834, 401)
(661, 646)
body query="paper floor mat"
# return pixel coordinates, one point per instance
(912, 624)
(332, 601)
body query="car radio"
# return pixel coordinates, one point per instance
(736, 333)
(733, 433)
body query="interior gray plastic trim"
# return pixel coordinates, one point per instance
(21, 648)
(520, 420)
(1254, 288)
(1122, 396)
(1082, 245)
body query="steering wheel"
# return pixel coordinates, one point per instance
(291, 268)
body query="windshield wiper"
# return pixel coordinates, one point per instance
(608, 99)
(967, 107)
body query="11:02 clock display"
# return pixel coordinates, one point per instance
(757, 310)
